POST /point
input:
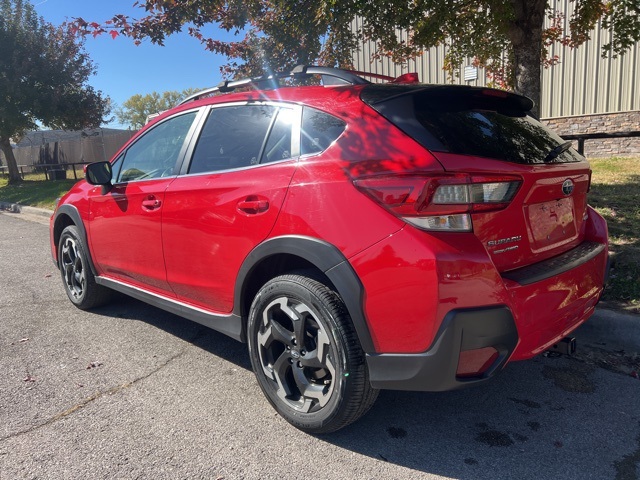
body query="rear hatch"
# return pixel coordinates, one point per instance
(479, 134)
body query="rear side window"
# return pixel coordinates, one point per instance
(319, 130)
(473, 122)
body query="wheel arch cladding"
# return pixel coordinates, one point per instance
(294, 252)
(68, 215)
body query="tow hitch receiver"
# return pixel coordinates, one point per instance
(566, 346)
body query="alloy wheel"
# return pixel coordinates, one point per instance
(295, 353)
(73, 268)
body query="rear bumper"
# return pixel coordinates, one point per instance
(435, 369)
(539, 315)
(448, 298)
(550, 309)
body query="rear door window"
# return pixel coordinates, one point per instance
(232, 137)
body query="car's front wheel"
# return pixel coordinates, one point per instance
(77, 277)
(306, 355)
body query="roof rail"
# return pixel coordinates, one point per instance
(329, 75)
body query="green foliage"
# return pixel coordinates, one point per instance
(135, 110)
(279, 34)
(43, 78)
(483, 30)
(43, 75)
(506, 37)
(622, 17)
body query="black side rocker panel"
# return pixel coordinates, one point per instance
(326, 258)
(230, 325)
(435, 369)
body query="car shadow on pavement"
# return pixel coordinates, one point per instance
(536, 419)
(209, 340)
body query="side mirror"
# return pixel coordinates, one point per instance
(98, 173)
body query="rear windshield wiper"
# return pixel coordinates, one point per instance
(560, 149)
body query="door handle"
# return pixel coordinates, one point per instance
(253, 205)
(151, 203)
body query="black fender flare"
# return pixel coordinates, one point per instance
(329, 260)
(72, 212)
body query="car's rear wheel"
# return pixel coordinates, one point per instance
(306, 355)
(77, 277)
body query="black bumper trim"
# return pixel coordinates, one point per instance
(556, 265)
(435, 369)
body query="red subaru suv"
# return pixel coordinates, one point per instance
(357, 236)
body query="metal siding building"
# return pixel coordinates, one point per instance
(583, 83)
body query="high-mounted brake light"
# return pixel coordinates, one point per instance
(490, 92)
(442, 202)
(407, 78)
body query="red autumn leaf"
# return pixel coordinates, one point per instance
(113, 34)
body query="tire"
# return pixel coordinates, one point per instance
(77, 277)
(306, 355)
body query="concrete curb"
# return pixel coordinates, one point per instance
(611, 330)
(17, 208)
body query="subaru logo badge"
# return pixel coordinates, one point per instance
(567, 187)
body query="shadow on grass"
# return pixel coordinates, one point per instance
(619, 203)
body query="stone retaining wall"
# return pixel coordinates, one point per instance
(603, 123)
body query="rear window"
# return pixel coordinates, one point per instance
(470, 121)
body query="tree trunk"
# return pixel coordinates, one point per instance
(14, 173)
(525, 33)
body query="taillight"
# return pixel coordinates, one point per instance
(442, 202)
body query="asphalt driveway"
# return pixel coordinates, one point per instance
(129, 391)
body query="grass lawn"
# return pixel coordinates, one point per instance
(615, 193)
(35, 191)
